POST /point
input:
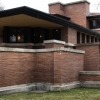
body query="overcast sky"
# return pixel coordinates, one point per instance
(43, 4)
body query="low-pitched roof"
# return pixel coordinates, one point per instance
(45, 16)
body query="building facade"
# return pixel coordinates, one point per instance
(55, 51)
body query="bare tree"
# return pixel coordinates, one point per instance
(1, 6)
(96, 5)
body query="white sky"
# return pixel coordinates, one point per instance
(42, 5)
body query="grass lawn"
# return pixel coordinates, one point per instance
(74, 94)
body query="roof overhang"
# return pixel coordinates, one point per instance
(25, 16)
(23, 20)
(93, 16)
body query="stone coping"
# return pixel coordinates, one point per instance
(55, 3)
(76, 2)
(88, 44)
(89, 72)
(54, 41)
(37, 44)
(8, 49)
(80, 1)
(69, 44)
(58, 42)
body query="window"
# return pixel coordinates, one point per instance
(83, 38)
(87, 38)
(20, 35)
(94, 23)
(78, 37)
(92, 39)
(57, 34)
(16, 35)
(96, 40)
(13, 38)
(38, 35)
(29, 35)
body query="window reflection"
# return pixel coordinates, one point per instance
(16, 35)
(13, 38)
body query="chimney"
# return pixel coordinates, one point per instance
(77, 11)
(56, 8)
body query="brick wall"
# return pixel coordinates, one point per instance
(64, 34)
(91, 57)
(44, 71)
(16, 68)
(77, 12)
(53, 45)
(22, 68)
(56, 9)
(72, 36)
(69, 35)
(89, 78)
(67, 66)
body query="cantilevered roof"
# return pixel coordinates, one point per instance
(25, 16)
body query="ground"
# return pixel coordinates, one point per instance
(74, 94)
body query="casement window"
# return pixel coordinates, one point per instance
(92, 39)
(83, 38)
(29, 35)
(16, 36)
(87, 39)
(94, 23)
(78, 37)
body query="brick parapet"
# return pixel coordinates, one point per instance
(91, 57)
(90, 76)
(22, 66)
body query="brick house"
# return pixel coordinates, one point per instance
(55, 51)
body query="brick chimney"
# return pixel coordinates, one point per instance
(77, 11)
(56, 8)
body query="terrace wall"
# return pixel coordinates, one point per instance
(91, 57)
(22, 66)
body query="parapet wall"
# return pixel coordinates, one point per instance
(91, 57)
(55, 65)
(90, 79)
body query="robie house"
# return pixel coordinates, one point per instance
(55, 51)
